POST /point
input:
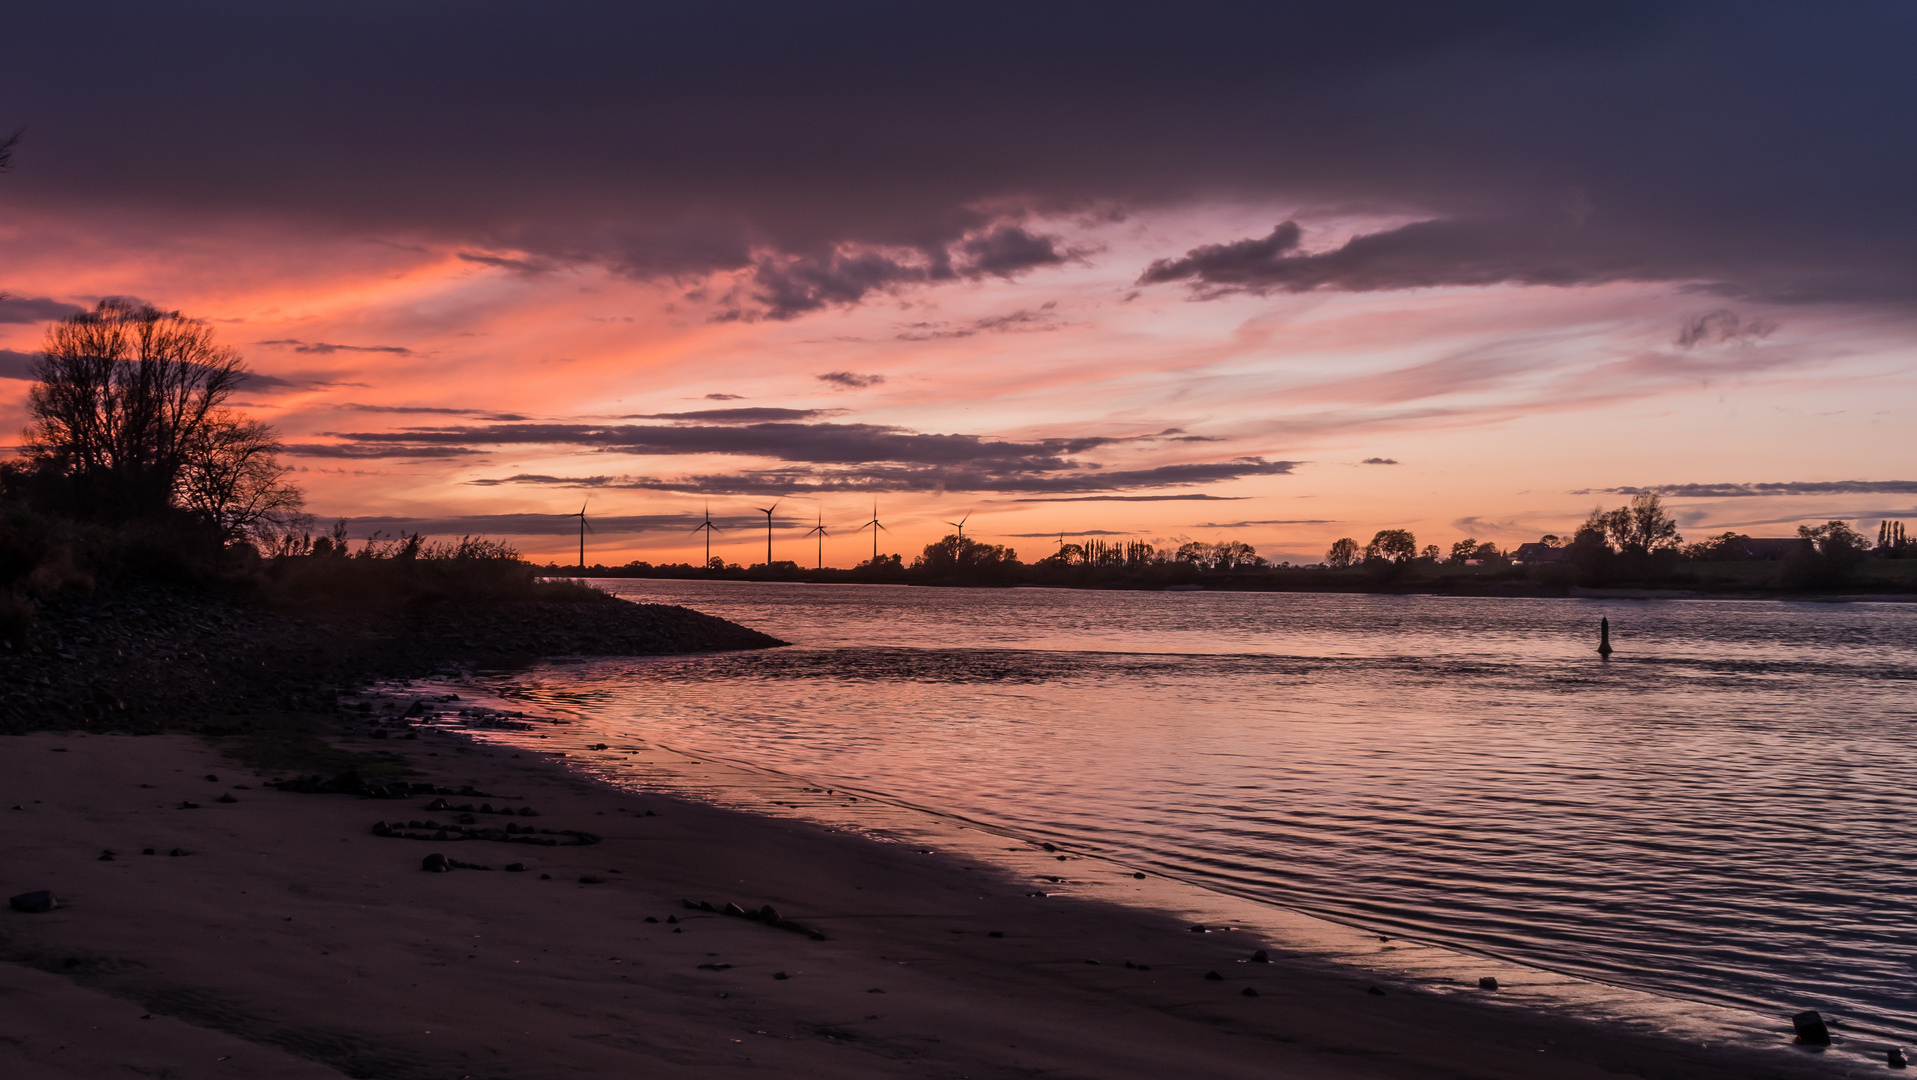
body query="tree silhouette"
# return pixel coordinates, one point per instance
(1344, 551)
(128, 421)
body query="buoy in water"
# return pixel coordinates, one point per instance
(1604, 636)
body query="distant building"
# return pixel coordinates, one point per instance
(1536, 553)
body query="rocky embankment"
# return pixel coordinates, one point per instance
(145, 657)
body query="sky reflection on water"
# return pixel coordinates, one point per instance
(1717, 812)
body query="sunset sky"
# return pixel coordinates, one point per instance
(1278, 273)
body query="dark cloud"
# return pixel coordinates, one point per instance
(352, 451)
(524, 267)
(850, 380)
(1735, 491)
(19, 365)
(1454, 251)
(735, 416)
(27, 309)
(16, 365)
(826, 155)
(820, 457)
(1007, 251)
(522, 525)
(1145, 498)
(1379, 461)
(1249, 524)
(429, 410)
(1721, 327)
(1024, 320)
(327, 348)
(725, 397)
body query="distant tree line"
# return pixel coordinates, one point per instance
(1640, 542)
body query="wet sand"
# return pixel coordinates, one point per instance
(290, 940)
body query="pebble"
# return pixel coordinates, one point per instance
(1810, 1028)
(1213, 976)
(1249, 992)
(34, 903)
(1895, 1058)
(1488, 983)
(435, 863)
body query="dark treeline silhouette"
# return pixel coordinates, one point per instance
(1635, 546)
(136, 467)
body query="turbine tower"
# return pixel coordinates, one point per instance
(875, 527)
(820, 529)
(581, 515)
(708, 528)
(960, 525)
(767, 511)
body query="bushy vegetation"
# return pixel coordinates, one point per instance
(136, 467)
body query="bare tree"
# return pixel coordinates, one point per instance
(7, 147)
(234, 480)
(123, 395)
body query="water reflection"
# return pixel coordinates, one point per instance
(1717, 811)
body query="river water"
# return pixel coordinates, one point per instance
(1719, 812)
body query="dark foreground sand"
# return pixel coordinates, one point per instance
(292, 942)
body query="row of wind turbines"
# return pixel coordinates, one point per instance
(818, 529)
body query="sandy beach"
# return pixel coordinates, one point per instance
(286, 938)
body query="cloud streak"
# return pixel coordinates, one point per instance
(1760, 490)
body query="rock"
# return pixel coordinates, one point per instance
(33, 903)
(1140, 877)
(770, 914)
(996, 933)
(1261, 957)
(672, 918)
(189, 806)
(1198, 929)
(1810, 1028)
(435, 863)
(1213, 976)
(106, 856)
(1048, 847)
(227, 798)
(1487, 983)
(1249, 992)
(1375, 991)
(515, 867)
(146, 851)
(649, 918)
(781, 976)
(1895, 1058)
(588, 879)
(179, 852)
(732, 909)
(545, 877)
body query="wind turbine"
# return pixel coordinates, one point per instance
(820, 529)
(708, 528)
(767, 511)
(960, 525)
(875, 527)
(581, 515)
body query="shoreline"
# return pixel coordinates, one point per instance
(345, 954)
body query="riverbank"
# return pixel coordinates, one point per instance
(152, 657)
(287, 938)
